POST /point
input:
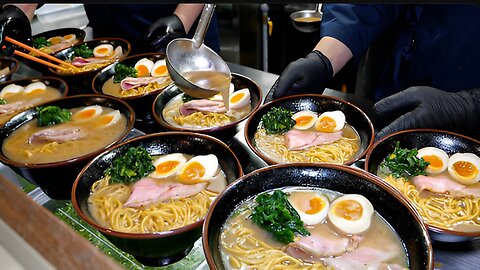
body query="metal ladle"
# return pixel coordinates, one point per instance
(307, 21)
(187, 55)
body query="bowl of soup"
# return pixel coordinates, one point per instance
(53, 41)
(137, 80)
(19, 95)
(309, 128)
(294, 216)
(156, 213)
(49, 144)
(174, 110)
(87, 58)
(441, 178)
(8, 66)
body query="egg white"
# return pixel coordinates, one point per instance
(103, 50)
(79, 116)
(338, 118)
(472, 159)
(209, 164)
(147, 63)
(427, 152)
(11, 89)
(155, 72)
(304, 119)
(303, 207)
(109, 119)
(175, 157)
(36, 87)
(239, 99)
(345, 225)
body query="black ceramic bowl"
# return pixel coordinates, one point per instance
(56, 83)
(80, 83)
(142, 104)
(223, 132)
(450, 142)
(80, 36)
(163, 247)
(316, 103)
(396, 210)
(56, 178)
(8, 62)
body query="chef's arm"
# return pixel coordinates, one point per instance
(337, 52)
(188, 14)
(28, 9)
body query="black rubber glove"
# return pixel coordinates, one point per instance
(432, 108)
(305, 75)
(15, 24)
(164, 30)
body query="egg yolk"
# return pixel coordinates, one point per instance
(161, 70)
(166, 166)
(316, 205)
(465, 169)
(106, 119)
(36, 91)
(349, 210)
(86, 114)
(102, 51)
(69, 36)
(435, 162)
(142, 70)
(237, 98)
(326, 124)
(192, 173)
(55, 40)
(303, 120)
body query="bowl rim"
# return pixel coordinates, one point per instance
(125, 54)
(128, 128)
(159, 119)
(154, 92)
(430, 227)
(15, 67)
(40, 78)
(341, 167)
(316, 96)
(154, 235)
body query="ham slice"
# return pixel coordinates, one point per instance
(60, 46)
(130, 82)
(12, 107)
(443, 185)
(202, 105)
(149, 190)
(301, 139)
(57, 135)
(363, 258)
(80, 61)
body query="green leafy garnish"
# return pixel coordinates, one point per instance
(52, 115)
(131, 166)
(187, 98)
(276, 215)
(122, 71)
(2, 101)
(41, 42)
(83, 51)
(404, 163)
(278, 120)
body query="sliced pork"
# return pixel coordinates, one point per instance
(362, 258)
(13, 107)
(301, 139)
(57, 135)
(80, 61)
(443, 185)
(149, 190)
(202, 105)
(129, 82)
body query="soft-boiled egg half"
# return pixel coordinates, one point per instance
(304, 119)
(437, 158)
(312, 207)
(219, 96)
(35, 88)
(144, 67)
(351, 214)
(199, 169)
(109, 119)
(168, 165)
(87, 113)
(55, 40)
(330, 121)
(464, 168)
(239, 99)
(159, 68)
(10, 90)
(69, 37)
(103, 50)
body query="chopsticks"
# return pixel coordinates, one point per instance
(33, 58)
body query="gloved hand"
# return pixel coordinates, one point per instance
(305, 75)
(164, 30)
(432, 108)
(15, 24)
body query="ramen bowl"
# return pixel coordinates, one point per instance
(56, 178)
(359, 127)
(222, 131)
(8, 66)
(55, 89)
(60, 33)
(159, 248)
(449, 142)
(386, 201)
(141, 103)
(80, 82)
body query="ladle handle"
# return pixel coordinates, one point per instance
(203, 25)
(318, 8)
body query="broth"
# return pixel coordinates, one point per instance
(307, 19)
(211, 80)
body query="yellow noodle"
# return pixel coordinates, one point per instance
(202, 119)
(141, 90)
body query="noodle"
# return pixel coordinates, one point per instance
(106, 205)
(87, 67)
(443, 211)
(144, 89)
(274, 146)
(202, 120)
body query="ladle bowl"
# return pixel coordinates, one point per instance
(307, 21)
(191, 55)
